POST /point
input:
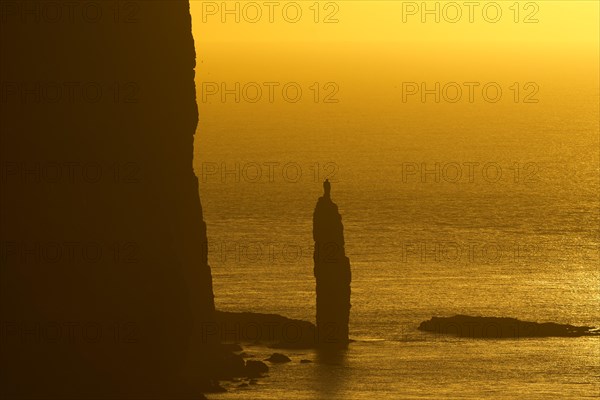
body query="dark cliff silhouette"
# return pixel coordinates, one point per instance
(105, 286)
(501, 328)
(332, 273)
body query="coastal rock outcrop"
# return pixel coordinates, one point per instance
(332, 273)
(269, 329)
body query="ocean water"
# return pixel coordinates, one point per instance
(516, 237)
(474, 208)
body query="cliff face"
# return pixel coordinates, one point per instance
(332, 273)
(104, 279)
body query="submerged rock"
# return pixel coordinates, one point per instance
(255, 368)
(230, 365)
(278, 358)
(501, 327)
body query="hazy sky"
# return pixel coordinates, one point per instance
(357, 43)
(375, 21)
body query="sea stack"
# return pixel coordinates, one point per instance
(332, 273)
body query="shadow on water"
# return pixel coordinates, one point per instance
(331, 372)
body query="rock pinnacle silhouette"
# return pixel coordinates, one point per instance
(332, 272)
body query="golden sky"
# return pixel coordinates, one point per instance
(370, 49)
(390, 21)
(379, 40)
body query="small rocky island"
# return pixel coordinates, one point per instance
(501, 328)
